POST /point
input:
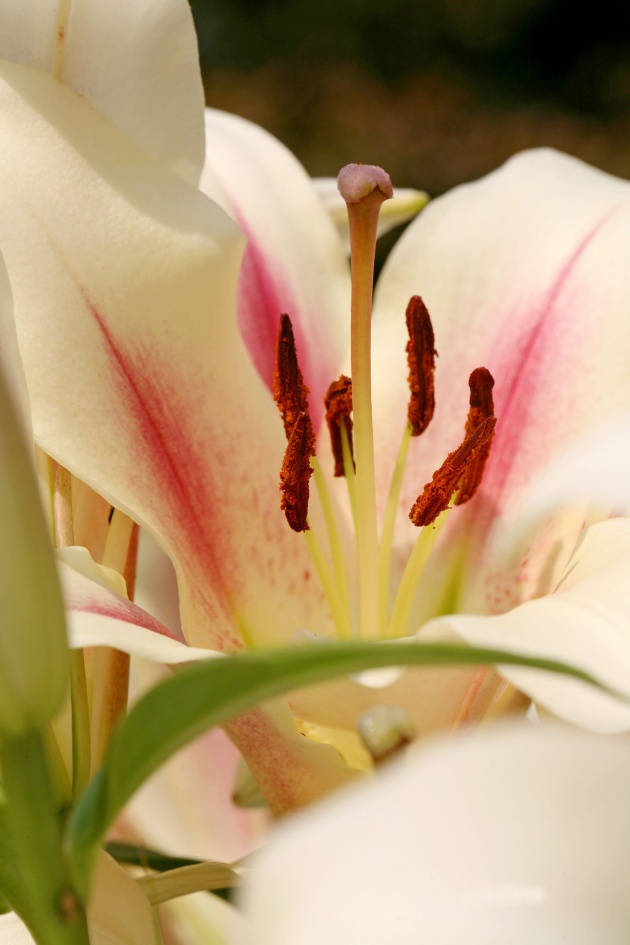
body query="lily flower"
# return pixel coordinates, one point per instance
(149, 346)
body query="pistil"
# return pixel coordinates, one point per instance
(364, 188)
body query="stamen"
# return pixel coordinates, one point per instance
(421, 356)
(438, 493)
(296, 472)
(289, 390)
(291, 395)
(481, 383)
(338, 403)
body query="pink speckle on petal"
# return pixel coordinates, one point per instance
(263, 296)
(181, 490)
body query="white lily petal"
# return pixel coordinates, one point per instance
(13, 931)
(119, 913)
(98, 616)
(203, 920)
(294, 261)
(150, 342)
(136, 63)
(586, 623)
(515, 835)
(595, 467)
(404, 205)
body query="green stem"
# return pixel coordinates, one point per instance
(52, 909)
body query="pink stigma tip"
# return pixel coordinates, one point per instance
(358, 181)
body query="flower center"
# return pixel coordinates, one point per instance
(348, 405)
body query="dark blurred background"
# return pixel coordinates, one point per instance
(436, 91)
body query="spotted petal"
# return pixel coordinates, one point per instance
(523, 272)
(127, 325)
(585, 622)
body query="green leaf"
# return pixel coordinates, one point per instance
(209, 693)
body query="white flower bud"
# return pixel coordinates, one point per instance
(33, 648)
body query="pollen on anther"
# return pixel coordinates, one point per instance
(437, 494)
(295, 473)
(338, 403)
(421, 356)
(289, 390)
(481, 383)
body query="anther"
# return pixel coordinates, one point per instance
(289, 390)
(338, 403)
(421, 356)
(291, 395)
(481, 383)
(296, 472)
(438, 493)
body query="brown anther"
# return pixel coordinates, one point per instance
(438, 493)
(421, 356)
(481, 383)
(289, 390)
(296, 472)
(338, 403)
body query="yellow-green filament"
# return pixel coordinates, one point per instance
(389, 522)
(411, 578)
(348, 468)
(327, 581)
(336, 548)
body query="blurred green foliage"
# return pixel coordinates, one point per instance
(438, 91)
(558, 49)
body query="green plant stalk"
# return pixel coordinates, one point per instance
(52, 909)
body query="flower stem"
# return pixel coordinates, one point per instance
(43, 893)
